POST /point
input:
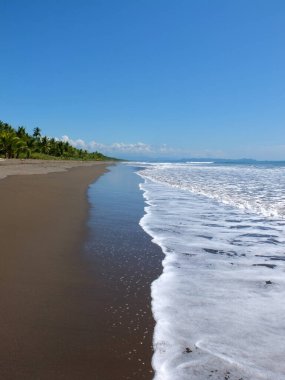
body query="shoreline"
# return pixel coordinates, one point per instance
(44, 326)
(124, 259)
(63, 307)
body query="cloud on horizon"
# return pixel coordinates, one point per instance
(141, 150)
(124, 149)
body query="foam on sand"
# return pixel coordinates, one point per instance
(219, 304)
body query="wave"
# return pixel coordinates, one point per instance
(249, 188)
(218, 304)
(199, 162)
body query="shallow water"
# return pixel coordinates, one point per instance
(125, 262)
(219, 304)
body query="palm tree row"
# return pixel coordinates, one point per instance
(17, 143)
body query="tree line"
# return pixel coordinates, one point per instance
(17, 143)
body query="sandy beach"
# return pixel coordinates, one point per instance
(30, 166)
(45, 325)
(59, 314)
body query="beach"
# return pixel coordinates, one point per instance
(55, 300)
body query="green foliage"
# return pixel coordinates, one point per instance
(19, 144)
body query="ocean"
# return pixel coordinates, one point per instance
(219, 304)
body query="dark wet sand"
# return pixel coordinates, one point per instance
(126, 262)
(56, 307)
(46, 327)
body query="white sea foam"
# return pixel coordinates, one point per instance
(255, 188)
(199, 162)
(219, 304)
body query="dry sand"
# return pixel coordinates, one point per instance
(46, 306)
(18, 167)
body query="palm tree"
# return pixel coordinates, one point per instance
(21, 147)
(45, 145)
(16, 143)
(60, 148)
(21, 132)
(5, 127)
(8, 143)
(37, 133)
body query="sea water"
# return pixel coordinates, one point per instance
(219, 304)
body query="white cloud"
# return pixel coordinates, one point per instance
(121, 147)
(126, 150)
(131, 148)
(140, 149)
(79, 143)
(94, 145)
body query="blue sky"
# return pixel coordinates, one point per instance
(148, 77)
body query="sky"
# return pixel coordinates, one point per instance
(148, 78)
